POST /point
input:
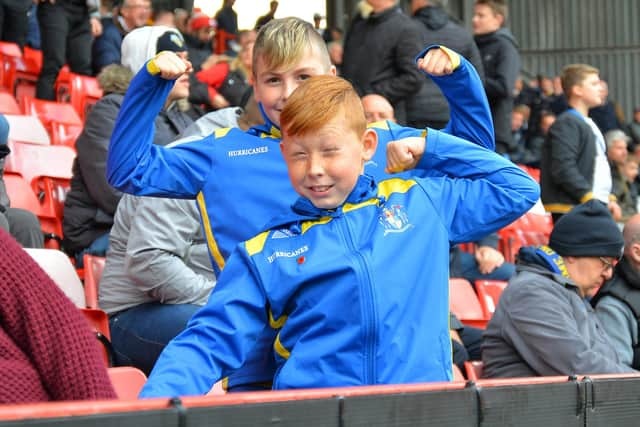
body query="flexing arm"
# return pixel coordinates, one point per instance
(479, 191)
(134, 164)
(217, 338)
(159, 256)
(459, 82)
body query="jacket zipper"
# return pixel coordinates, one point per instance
(368, 300)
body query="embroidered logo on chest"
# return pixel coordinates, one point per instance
(394, 219)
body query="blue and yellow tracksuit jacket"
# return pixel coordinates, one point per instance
(359, 294)
(240, 179)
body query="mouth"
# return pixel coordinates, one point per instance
(319, 189)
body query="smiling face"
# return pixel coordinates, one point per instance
(274, 86)
(324, 166)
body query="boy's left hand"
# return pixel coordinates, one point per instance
(439, 62)
(404, 154)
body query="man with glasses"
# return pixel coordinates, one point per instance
(617, 303)
(543, 324)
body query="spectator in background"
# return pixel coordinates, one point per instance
(91, 202)
(428, 107)
(617, 303)
(387, 41)
(198, 37)
(164, 17)
(227, 20)
(377, 108)
(336, 54)
(128, 16)
(264, 19)
(574, 166)
(229, 80)
(617, 155)
(519, 131)
(21, 224)
(501, 62)
(66, 33)
(534, 143)
(181, 17)
(607, 115)
(543, 324)
(634, 127)
(48, 350)
(14, 21)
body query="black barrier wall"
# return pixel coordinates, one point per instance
(586, 402)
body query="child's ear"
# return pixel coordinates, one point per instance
(369, 144)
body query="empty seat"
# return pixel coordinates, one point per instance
(10, 55)
(33, 161)
(20, 193)
(50, 113)
(529, 229)
(29, 129)
(84, 91)
(127, 381)
(93, 267)
(464, 303)
(58, 266)
(8, 104)
(66, 135)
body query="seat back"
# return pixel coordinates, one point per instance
(10, 54)
(63, 134)
(127, 381)
(58, 266)
(50, 112)
(529, 229)
(464, 303)
(93, 267)
(84, 91)
(99, 323)
(20, 193)
(8, 104)
(27, 129)
(474, 369)
(34, 161)
(489, 292)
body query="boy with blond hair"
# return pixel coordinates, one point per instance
(574, 166)
(353, 307)
(239, 178)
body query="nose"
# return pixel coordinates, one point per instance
(316, 166)
(288, 88)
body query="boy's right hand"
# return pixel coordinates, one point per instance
(404, 154)
(169, 65)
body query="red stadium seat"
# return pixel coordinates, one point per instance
(29, 129)
(489, 292)
(10, 55)
(127, 381)
(84, 91)
(66, 135)
(58, 266)
(93, 266)
(8, 104)
(20, 193)
(99, 323)
(474, 369)
(464, 303)
(529, 229)
(51, 113)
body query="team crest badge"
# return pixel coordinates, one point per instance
(394, 219)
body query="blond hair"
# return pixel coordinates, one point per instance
(317, 101)
(283, 42)
(574, 74)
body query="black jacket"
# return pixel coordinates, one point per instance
(91, 203)
(379, 55)
(501, 62)
(429, 105)
(567, 164)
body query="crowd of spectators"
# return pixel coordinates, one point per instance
(162, 259)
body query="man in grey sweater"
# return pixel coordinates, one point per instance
(543, 324)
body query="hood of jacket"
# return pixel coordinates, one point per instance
(502, 33)
(432, 17)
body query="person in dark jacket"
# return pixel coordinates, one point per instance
(501, 62)
(91, 202)
(429, 108)
(131, 14)
(387, 41)
(617, 303)
(573, 166)
(14, 21)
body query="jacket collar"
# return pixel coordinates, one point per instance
(266, 130)
(544, 260)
